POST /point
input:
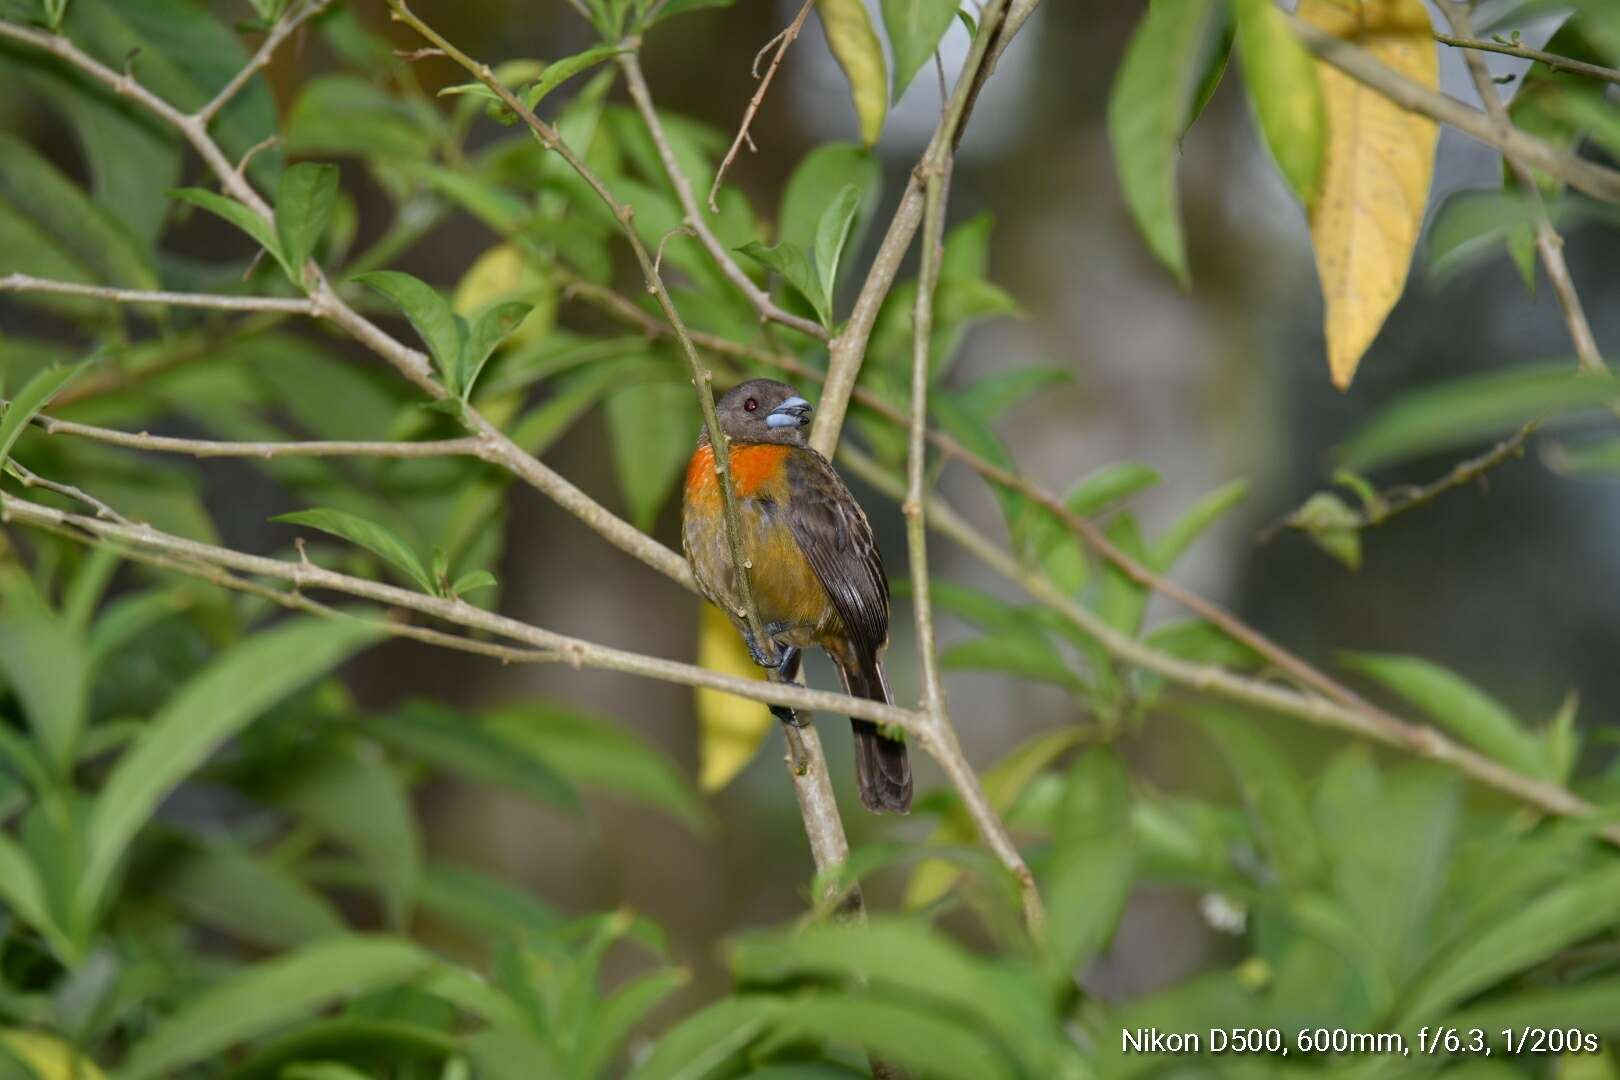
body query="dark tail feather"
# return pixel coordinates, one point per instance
(882, 771)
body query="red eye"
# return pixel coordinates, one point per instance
(750, 404)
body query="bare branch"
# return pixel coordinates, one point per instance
(693, 214)
(25, 283)
(283, 29)
(783, 42)
(30, 479)
(1594, 179)
(215, 448)
(1523, 52)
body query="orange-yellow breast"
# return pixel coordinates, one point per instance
(785, 585)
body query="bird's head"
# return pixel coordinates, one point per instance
(764, 411)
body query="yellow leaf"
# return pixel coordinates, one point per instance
(730, 728)
(1376, 173)
(50, 1058)
(502, 273)
(855, 45)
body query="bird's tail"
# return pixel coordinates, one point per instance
(882, 771)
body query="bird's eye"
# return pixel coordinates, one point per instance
(750, 404)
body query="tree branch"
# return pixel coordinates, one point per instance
(283, 29)
(1365, 721)
(1462, 40)
(1356, 62)
(692, 214)
(215, 448)
(569, 650)
(26, 283)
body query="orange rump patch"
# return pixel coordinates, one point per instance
(753, 466)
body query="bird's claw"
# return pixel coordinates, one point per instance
(788, 715)
(759, 654)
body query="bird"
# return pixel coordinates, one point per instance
(813, 565)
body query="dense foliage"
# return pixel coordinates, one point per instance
(211, 863)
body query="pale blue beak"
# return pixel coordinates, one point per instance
(794, 412)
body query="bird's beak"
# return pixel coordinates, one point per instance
(794, 412)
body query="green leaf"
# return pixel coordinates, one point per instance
(915, 28)
(250, 898)
(1467, 410)
(831, 234)
(1561, 916)
(243, 218)
(1149, 107)
(1459, 707)
(560, 71)
(969, 995)
(652, 427)
(1589, 459)
(47, 666)
(855, 46)
(1273, 792)
(472, 581)
(49, 228)
(1110, 484)
(493, 325)
(994, 394)
(353, 794)
(1471, 224)
(700, 1043)
(829, 167)
(268, 996)
(1024, 652)
(481, 902)
(592, 753)
(1332, 526)
(789, 260)
(681, 7)
(349, 116)
(239, 685)
(612, 1022)
(440, 738)
(1285, 92)
(23, 890)
(35, 394)
(1202, 643)
(1191, 525)
(1589, 1003)
(430, 315)
(1089, 874)
(304, 203)
(378, 539)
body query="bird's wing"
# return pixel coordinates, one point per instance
(831, 529)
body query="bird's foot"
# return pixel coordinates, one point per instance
(782, 650)
(789, 716)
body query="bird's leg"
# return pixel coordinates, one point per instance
(786, 672)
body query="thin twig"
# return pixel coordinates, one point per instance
(30, 479)
(1588, 176)
(783, 41)
(219, 448)
(283, 29)
(692, 213)
(1524, 52)
(284, 305)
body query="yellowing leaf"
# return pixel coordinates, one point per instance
(730, 728)
(502, 273)
(50, 1058)
(856, 47)
(1376, 174)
